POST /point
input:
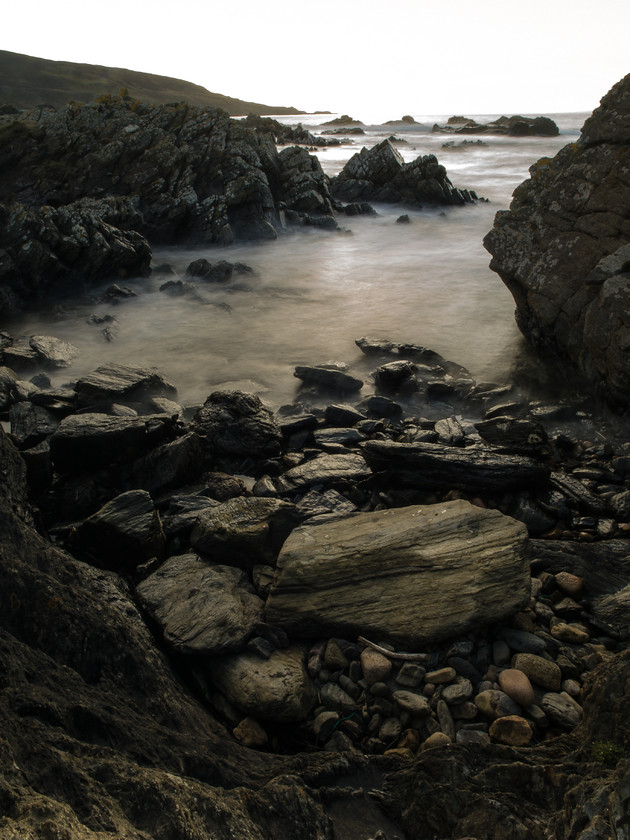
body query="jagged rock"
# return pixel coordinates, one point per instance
(370, 574)
(30, 424)
(201, 608)
(380, 174)
(515, 126)
(303, 184)
(70, 248)
(237, 425)
(113, 382)
(124, 533)
(562, 250)
(277, 689)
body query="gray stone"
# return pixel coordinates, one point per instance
(200, 608)
(415, 704)
(234, 424)
(371, 574)
(120, 382)
(562, 709)
(494, 703)
(333, 696)
(326, 470)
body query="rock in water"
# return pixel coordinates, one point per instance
(410, 575)
(562, 250)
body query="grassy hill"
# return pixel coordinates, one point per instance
(26, 82)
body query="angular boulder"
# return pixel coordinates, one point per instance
(201, 608)
(562, 251)
(234, 424)
(410, 575)
(119, 383)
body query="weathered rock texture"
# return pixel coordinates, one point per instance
(412, 575)
(563, 250)
(380, 174)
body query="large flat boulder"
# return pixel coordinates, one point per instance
(410, 575)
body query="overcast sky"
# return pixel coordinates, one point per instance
(352, 56)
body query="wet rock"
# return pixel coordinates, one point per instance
(30, 424)
(122, 383)
(53, 352)
(326, 470)
(332, 377)
(328, 575)
(201, 608)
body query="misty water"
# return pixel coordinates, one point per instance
(314, 292)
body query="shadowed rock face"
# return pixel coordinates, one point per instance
(563, 250)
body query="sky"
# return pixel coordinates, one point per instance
(360, 57)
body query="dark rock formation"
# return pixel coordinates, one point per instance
(88, 185)
(380, 174)
(563, 250)
(515, 126)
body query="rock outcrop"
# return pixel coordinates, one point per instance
(563, 250)
(381, 174)
(515, 126)
(414, 575)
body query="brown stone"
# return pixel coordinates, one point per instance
(512, 730)
(516, 685)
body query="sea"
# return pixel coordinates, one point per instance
(313, 293)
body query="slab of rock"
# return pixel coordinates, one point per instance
(408, 575)
(119, 383)
(234, 424)
(30, 424)
(244, 531)
(83, 442)
(124, 533)
(201, 608)
(332, 377)
(326, 470)
(53, 352)
(277, 689)
(434, 465)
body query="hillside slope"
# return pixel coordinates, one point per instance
(26, 81)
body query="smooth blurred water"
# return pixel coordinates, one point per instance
(315, 292)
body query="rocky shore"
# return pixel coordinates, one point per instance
(346, 576)
(396, 607)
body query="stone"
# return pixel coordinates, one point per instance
(369, 574)
(390, 730)
(201, 608)
(30, 424)
(125, 532)
(53, 352)
(570, 633)
(540, 671)
(84, 442)
(250, 733)
(326, 470)
(457, 692)
(334, 657)
(443, 675)
(516, 685)
(324, 724)
(500, 652)
(236, 425)
(445, 719)
(438, 739)
(333, 696)
(277, 689)
(494, 704)
(433, 465)
(562, 709)
(468, 736)
(120, 383)
(244, 531)
(570, 584)
(410, 675)
(512, 730)
(415, 704)
(329, 377)
(562, 251)
(375, 666)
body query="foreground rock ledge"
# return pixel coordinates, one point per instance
(411, 575)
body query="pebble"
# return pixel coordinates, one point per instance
(501, 653)
(441, 676)
(562, 709)
(470, 736)
(457, 692)
(410, 675)
(438, 739)
(543, 672)
(516, 685)
(250, 733)
(569, 584)
(512, 730)
(376, 667)
(415, 704)
(494, 703)
(570, 633)
(334, 657)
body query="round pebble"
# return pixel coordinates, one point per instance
(516, 685)
(438, 739)
(540, 671)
